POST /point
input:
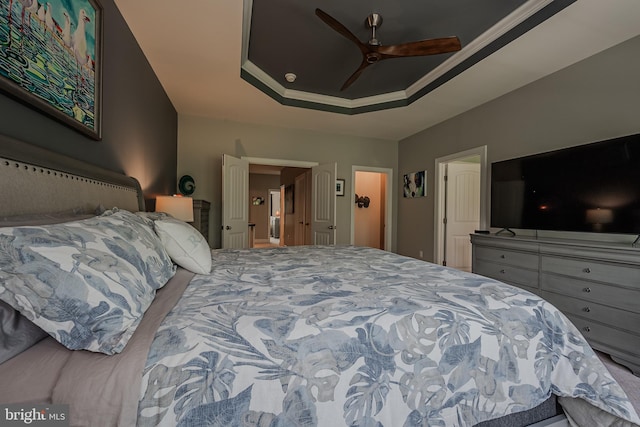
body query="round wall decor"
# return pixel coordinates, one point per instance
(186, 185)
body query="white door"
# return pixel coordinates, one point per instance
(298, 208)
(462, 212)
(323, 204)
(235, 202)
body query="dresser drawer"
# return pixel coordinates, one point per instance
(575, 276)
(592, 270)
(624, 298)
(501, 256)
(604, 337)
(509, 274)
(619, 319)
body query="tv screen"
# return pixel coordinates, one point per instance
(589, 188)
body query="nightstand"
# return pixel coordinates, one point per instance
(201, 217)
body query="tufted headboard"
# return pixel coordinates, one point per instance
(34, 180)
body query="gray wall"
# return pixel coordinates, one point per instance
(139, 123)
(202, 142)
(596, 99)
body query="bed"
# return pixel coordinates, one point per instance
(129, 319)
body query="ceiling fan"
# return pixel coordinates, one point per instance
(374, 51)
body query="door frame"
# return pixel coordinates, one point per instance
(303, 164)
(388, 226)
(439, 203)
(279, 162)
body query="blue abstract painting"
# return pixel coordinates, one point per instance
(50, 58)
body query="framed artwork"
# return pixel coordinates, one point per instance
(339, 187)
(51, 59)
(415, 184)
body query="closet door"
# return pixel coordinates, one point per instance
(323, 204)
(299, 213)
(235, 202)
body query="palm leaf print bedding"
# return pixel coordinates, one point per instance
(350, 336)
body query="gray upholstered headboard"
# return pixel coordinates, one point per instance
(34, 180)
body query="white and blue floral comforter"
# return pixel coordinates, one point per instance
(331, 336)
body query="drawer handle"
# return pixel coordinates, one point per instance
(586, 309)
(586, 329)
(587, 290)
(586, 270)
(502, 271)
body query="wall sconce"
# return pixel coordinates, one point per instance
(178, 207)
(362, 201)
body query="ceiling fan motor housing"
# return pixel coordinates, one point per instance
(373, 21)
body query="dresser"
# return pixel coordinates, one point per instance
(201, 217)
(595, 284)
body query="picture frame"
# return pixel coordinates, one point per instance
(415, 184)
(339, 187)
(52, 60)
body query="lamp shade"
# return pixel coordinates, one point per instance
(599, 216)
(177, 206)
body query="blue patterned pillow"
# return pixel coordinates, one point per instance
(87, 283)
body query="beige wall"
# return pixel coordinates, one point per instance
(596, 99)
(203, 141)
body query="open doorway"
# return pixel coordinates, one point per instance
(286, 186)
(274, 216)
(237, 226)
(459, 205)
(371, 207)
(264, 194)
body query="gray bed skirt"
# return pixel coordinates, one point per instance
(547, 409)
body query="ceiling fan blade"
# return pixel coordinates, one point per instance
(356, 74)
(420, 48)
(333, 23)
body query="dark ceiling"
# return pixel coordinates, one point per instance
(286, 36)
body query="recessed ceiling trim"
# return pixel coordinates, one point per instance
(320, 106)
(347, 103)
(527, 24)
(261, 80)
(247, 9)
(315, 98)
(506, 30)
(508, 23)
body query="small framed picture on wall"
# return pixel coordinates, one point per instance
(415, 184)
(339, 187)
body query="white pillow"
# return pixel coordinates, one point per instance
(185, 245)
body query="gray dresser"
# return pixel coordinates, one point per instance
(596, 284)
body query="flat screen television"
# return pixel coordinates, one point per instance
(589, 188)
